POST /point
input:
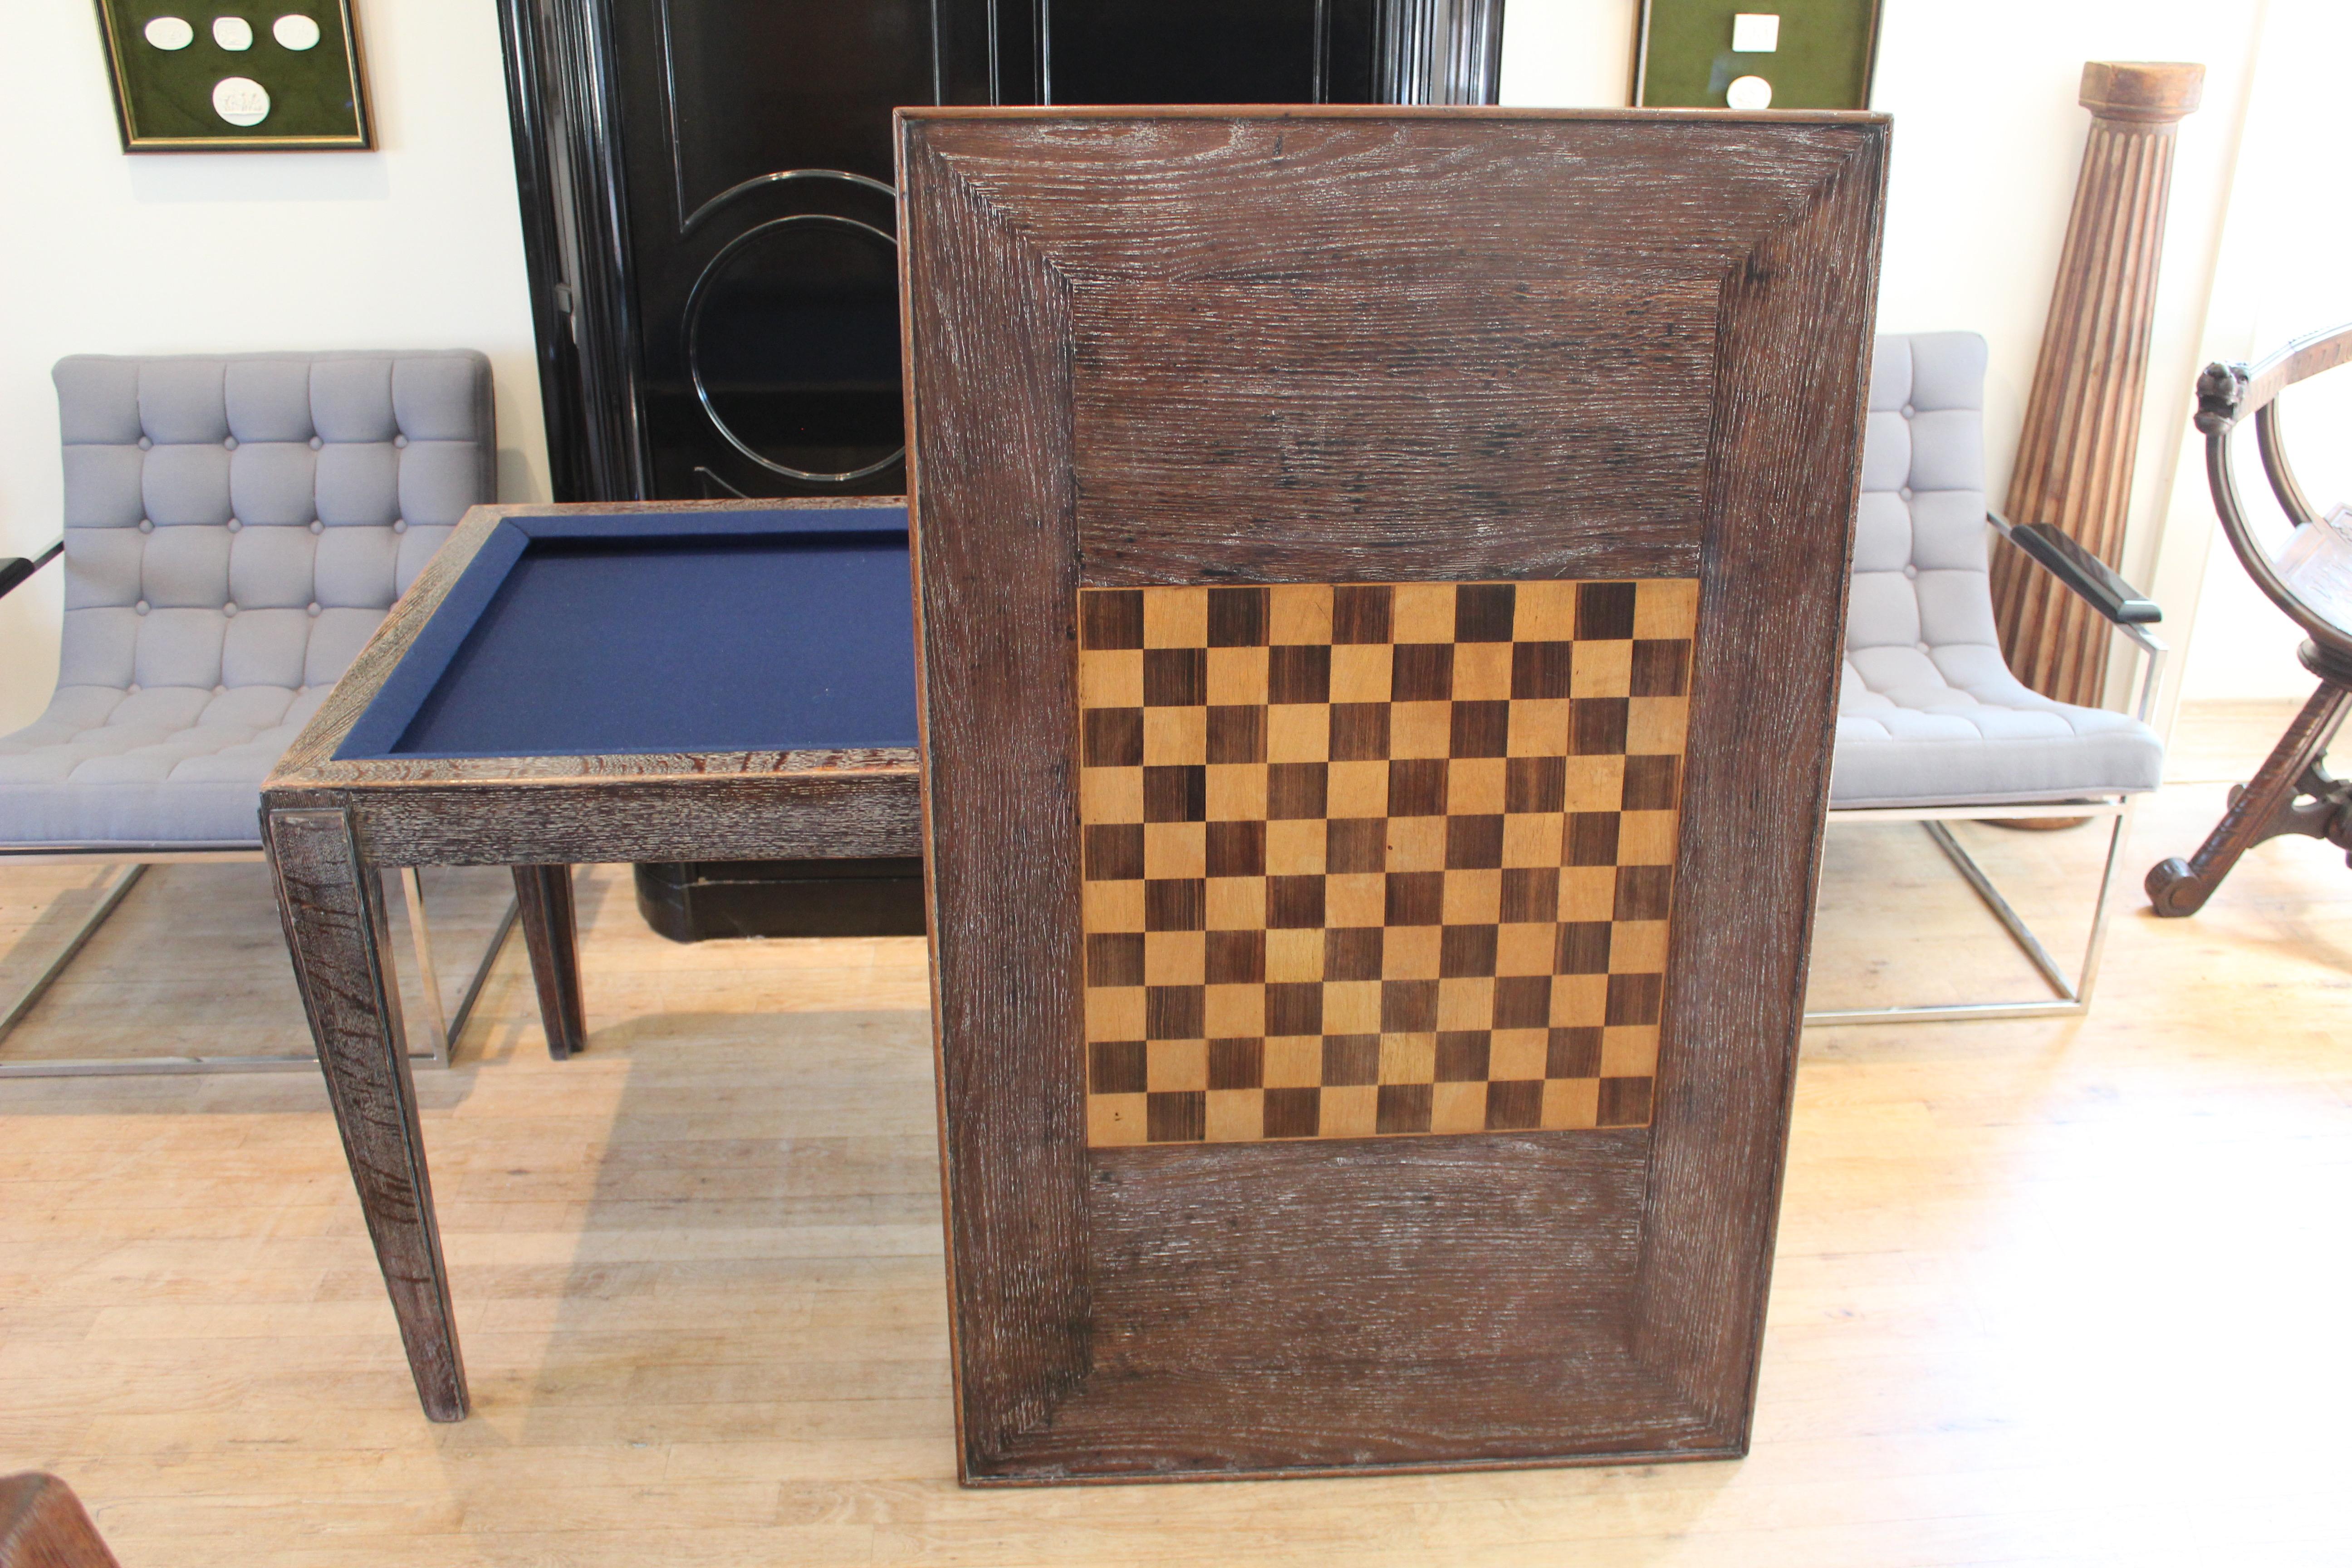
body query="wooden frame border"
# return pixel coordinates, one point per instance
(311, 761)
(1079, 1283)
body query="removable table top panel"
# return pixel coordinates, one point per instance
(661, 631)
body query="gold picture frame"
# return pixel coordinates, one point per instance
(237, 76)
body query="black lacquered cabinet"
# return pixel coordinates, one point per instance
(707, 206)
(712, 237)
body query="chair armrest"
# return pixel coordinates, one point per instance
(2089, 578)
(15, 568)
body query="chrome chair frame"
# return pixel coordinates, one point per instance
(2073, 996)
(441, 1029)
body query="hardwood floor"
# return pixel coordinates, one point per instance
(2064, 1292)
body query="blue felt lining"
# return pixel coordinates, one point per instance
(629, 632)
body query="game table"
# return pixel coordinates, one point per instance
(566, 684)
(1382, 577)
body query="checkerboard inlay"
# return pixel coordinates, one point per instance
(1377, 858)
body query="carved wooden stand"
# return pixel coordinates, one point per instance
(2075, 452)
(2294, 793)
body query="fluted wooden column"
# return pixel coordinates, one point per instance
(2074, 457)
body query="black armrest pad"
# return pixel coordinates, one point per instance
(2086, 574)
(15, 568)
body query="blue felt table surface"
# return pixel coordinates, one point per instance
(645, 632)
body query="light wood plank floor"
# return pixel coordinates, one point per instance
(2057, 1292)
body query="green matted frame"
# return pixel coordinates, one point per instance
(163, 98)
(1827, 52)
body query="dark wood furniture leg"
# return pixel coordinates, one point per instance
(550, 928)
(2294, 793)
(331, 901)
(43, 1525)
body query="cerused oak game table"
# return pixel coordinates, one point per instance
(565, 684)
(1378, 588)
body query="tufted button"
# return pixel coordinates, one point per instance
(235, 526)
(400, 526)
(314, 607)
(1904, 492)
(220, 691)
(145, 526)
(229, 608)
(318, 527)
(1909, 570)
(140, 607)
(1908, 411)
(131, 690)
(1925, 647)
(230, 443)
(400, 440)
(316, 443)
(144, 443)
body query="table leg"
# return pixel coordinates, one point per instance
(550, 928)
(332, 904)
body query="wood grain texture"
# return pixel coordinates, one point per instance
(1000, 833)
(1792, 373)
(332, 904)
(732, 817)
(1377, 859)
(43, 1525)
(1356, 1306)
(1546, 412)
(2080, 440)
(550, 930)
(1214, 347)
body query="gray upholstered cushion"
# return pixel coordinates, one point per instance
(1929, 713)
(235, 527)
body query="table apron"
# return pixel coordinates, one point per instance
(577, 822)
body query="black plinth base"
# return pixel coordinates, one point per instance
(694, 900)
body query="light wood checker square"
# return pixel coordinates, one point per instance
(1374, 859)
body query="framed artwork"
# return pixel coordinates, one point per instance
(1735, 54)
(236, 75)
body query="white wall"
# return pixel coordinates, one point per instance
(1988, 140)
(1567, 54)
(417, 245)
(2285, 270)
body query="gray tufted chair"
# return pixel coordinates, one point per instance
(236, 527)
(1931, 724)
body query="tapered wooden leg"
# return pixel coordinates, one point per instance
(550, 928)
(2264, 808)
(332, 904)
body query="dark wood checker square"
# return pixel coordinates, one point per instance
(1377, 858)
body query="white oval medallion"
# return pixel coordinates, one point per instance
(170, 33)
(294, 32)
(1749, 92)
(231, 32)
(240, 101)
